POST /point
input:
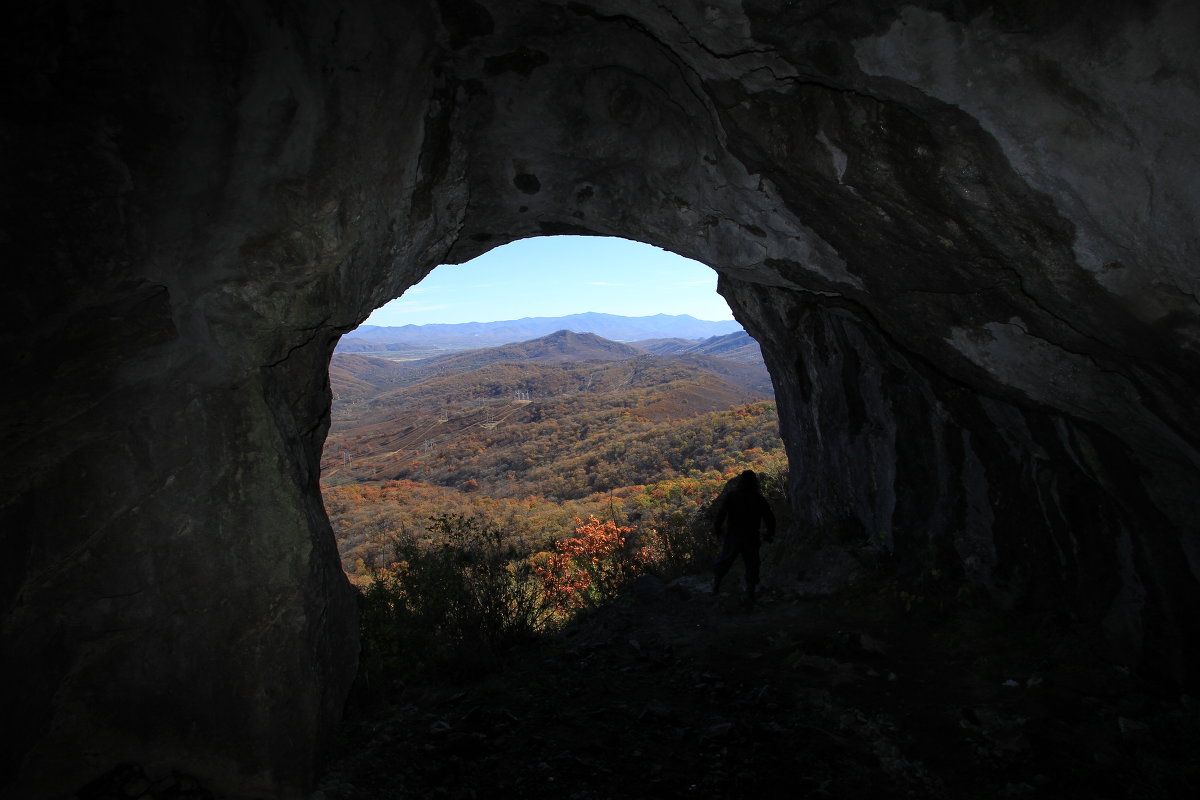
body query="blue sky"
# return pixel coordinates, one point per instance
(551, 276)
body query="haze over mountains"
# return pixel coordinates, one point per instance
(416, 340)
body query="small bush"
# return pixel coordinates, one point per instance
(470, 595)
(682, 532)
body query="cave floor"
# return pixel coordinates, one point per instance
(690, 696)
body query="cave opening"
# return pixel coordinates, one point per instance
(551, 379)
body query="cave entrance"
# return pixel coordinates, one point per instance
(980, 348)
(548, 380)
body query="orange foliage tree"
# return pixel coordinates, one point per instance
(592, 567)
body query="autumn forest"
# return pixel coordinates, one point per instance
(561, 467)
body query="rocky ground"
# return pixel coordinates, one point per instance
(677, 694)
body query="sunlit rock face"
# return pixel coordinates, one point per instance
(964, 234)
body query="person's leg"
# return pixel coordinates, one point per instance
(723, 563)
(750, 558)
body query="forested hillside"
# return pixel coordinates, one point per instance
(534, 402)
(532, 435)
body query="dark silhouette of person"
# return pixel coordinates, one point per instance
(743, 510)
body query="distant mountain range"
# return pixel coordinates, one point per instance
(416, 340)
(732, 346)
(506, 415)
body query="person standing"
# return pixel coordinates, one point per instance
(743, 510)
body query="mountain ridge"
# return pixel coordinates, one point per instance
(466, 335)
(738, 346)
(734, 357)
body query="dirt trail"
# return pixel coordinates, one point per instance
(676, 694)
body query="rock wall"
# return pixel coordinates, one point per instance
(189, 192)
(963, 232)
(955, 490)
